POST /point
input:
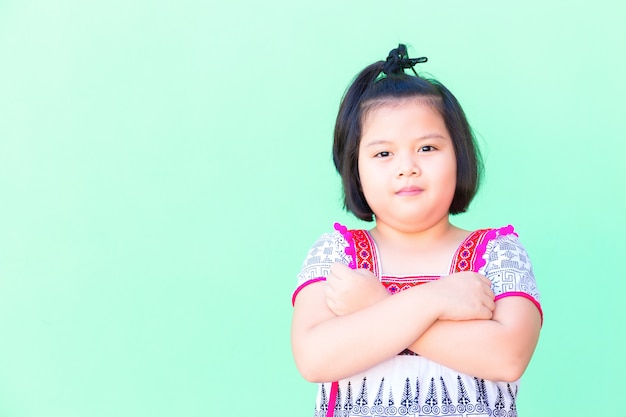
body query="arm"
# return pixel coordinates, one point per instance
(501, 348)
(328, 347)
(498, 349)
(495, 349)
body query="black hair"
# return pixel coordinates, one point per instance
(376, 86)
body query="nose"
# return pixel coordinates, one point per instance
(408, 165)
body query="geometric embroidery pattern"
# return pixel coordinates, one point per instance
(439, 400)
(507, 264)
(444, 392)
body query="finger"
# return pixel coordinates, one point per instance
(331, 305)
(333, 284)
(330, 281)
(336, 286)
(335, 276)
(487, 286)
(485, 280)
(339, 269)
(489, 301)
(328, 290)
(487, 314)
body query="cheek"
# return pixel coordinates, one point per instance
(452, 180)
(448, 176)
(364, 179)
(369, 181)
(363, 173)
(453, 170)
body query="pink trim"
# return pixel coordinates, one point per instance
(351, 249)
(332, 399)
(522, 294)
(304, 284)
(481, 249)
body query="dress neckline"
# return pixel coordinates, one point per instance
(378, 271)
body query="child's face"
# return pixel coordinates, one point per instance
(407, 165)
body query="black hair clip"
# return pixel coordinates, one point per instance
(398, 60)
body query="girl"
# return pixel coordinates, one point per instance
(456, 345)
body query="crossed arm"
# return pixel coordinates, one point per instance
(350, 323)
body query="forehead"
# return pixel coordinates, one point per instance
(400, 117)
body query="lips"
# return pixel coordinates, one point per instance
(409, 191)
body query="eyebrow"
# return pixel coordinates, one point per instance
(386, 141)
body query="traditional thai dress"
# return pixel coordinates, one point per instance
(409, 384)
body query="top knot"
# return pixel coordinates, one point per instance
(398, 60)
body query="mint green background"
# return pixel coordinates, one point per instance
(164, 167)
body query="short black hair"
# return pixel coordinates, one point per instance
(370, 89)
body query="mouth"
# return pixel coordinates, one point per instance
(409, 191)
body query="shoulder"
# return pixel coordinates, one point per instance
(329, 248)
(502, 243)
(485, 240)
(506, 263)
(328, 245)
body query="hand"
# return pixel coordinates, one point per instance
(465, 296)
(349, 290)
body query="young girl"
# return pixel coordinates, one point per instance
(456, 345)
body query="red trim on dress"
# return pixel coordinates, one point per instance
(395, 284)
(365, 251)
(466, 255)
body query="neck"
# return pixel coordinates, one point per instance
(440, 232)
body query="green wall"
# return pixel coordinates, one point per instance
(165, 166)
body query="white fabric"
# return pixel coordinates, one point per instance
(411, 385)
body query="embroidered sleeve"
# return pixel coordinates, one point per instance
(509, 269)
(329, 248)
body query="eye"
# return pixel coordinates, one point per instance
(427, 148)
(382, 154)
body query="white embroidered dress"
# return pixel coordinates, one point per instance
(409, 384)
